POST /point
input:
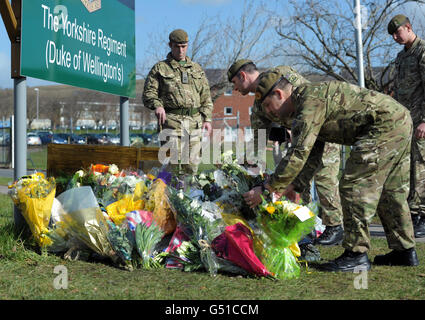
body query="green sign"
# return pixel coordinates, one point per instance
(83, 43)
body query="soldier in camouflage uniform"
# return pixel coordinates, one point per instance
(376, 178)
(178, 90)
(409, 85)
(245, 76)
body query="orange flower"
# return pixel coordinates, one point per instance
(101, 168)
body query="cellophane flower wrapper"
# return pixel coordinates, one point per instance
(281, 229)
(128, 202)
(202, 230)
(84, 220)
(34, 196)
(157, 202)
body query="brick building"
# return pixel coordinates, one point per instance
(231, 111)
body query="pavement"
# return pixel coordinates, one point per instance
(376, 230)
(3, 189)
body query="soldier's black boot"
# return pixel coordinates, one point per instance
(349, 261)
(331, 236)
(418, 221)
(406, 257)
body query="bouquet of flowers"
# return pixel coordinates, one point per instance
(283, 225)
(84, 220)
(157, 203)
(202, 230)
(34, 196)
(147, 237)
(108, 182)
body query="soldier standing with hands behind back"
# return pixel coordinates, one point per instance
(409, 90)
(178, 90)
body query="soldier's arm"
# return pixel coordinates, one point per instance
(314, 164)
(150, 95)
(422, 72)
(206, 106)
(305, 130)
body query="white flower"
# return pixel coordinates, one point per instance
(131, 181)
(112, 179)
(195, 204)
(97, 174)
(113, 169)
(202, 176)
(80, 173)
(228, 156)
(78, 184)
(180, 194)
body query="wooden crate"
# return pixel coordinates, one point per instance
(68, 158)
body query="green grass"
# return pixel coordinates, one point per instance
(4, 181)
(25, 273)
(37, 158)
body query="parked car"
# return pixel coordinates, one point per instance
(4, 138)
(144, 138)
(111, 138)
(136, 138)
(33, 139)
(72, 138)
(45, 136)
(94, 138)
(75, 138)
(58, 139)
(155, 139)
(147, 138)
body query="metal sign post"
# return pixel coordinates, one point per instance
(11, 14)
(359, 42)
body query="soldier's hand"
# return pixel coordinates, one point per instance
(206, 126)
(290, 194)
(253, 197)
(160, 115)
(420, 131)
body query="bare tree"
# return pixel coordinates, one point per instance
(51, 106)
(6, 103)
(320, 34)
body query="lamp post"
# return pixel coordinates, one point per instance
(37, 90)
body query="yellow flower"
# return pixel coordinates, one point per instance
(278, 203)
(271, 209)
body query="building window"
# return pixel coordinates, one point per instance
(228, 92)
(228, 111)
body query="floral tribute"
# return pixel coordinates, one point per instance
(157, 220)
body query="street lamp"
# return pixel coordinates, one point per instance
(37, 90)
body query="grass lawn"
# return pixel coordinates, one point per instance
(4, 181)
(27, 274)
(37, 158)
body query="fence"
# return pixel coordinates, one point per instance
(5, 144)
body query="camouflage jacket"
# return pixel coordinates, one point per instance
(335, 112)
(164, 87)
(259, 119)
(409, 81)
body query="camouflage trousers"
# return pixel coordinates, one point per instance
(181, 139)
(417, 177)
(327, 182)
(376, 180)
